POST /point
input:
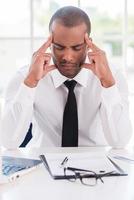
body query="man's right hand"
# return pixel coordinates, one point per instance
(39, 65)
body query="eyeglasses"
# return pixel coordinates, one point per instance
(86, 177)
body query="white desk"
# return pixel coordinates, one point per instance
(39, 185)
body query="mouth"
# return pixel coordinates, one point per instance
(68, 69)
(68, 66)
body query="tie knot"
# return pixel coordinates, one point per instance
(70, 84)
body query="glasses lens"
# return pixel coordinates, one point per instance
(89, 179)
(70, 175)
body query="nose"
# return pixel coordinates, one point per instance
(68, 55)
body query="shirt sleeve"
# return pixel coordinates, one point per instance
(17, 112)
(114, 111)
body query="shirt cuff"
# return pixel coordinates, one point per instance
(25, 95)
(111, 95)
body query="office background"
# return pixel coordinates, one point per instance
(24, 27)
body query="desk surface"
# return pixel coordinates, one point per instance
(39, 185)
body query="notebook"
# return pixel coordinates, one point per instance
(14, 167)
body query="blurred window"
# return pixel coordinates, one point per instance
(24, 27)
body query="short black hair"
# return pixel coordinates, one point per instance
(71, 16)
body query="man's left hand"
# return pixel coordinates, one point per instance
(99, 64)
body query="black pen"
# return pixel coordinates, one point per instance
(64, 161)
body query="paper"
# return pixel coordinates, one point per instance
(87, 161)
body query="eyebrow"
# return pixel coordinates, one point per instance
(77, 45)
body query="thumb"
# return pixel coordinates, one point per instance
(48, 69)
(87, 66)
(51, 67)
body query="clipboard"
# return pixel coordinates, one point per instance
(60, 175)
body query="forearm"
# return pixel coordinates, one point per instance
(115, 118)
(30, 81)
(17, 117)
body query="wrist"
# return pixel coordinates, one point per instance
(31, 82)
(107, 83)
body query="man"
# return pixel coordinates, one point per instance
(39, 95)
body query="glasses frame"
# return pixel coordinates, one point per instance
(82, 173)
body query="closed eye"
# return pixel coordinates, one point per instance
(59, 47)
(78, 47)
(75, 48)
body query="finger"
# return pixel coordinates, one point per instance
(95, 53)
(51, 67)
(92, 58)
(44, 47)
(95, 48)
(87, 66)
(42, 58)
(46, 54)
(40, 55)
(46, 61)
(48, 69)
(37, 53)
(88, 41)
(90, 44)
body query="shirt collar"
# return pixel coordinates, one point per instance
(81, 77)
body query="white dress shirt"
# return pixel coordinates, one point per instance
(103, 116)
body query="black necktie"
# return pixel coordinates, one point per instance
(70, 118)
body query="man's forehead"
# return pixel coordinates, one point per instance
(56, 25)
(68, 35)
(70, 43)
